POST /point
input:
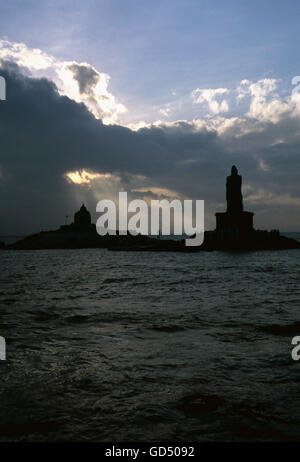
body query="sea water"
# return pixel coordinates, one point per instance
(149, 346)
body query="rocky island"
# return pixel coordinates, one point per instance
(234, 231)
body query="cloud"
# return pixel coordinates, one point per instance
(87, 177)
(79, 81)
(165, 111)
(262, 196)
(84, 84)
(265, 104)
(30, 58)
(209, 96)
(55, 154)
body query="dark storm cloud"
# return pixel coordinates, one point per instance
(86, 77)
(44, 135)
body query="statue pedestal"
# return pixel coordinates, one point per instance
(233, 226)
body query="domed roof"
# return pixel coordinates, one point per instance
(83, 216)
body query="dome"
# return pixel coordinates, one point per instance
(83, 216)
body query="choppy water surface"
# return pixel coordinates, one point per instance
(116, 346)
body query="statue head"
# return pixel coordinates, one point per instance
(234, 170)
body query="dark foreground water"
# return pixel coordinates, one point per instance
(116, 346)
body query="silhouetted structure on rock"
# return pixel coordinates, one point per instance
(234, 231)
(82, 217)
(82, 222)
(234, 196)
(234, 228)
(234, 223)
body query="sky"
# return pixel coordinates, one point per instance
(157, 98)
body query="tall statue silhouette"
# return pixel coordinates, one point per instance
(235, 223)
(234, 192)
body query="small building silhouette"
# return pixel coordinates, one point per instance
(82, 222)
(82, 217)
